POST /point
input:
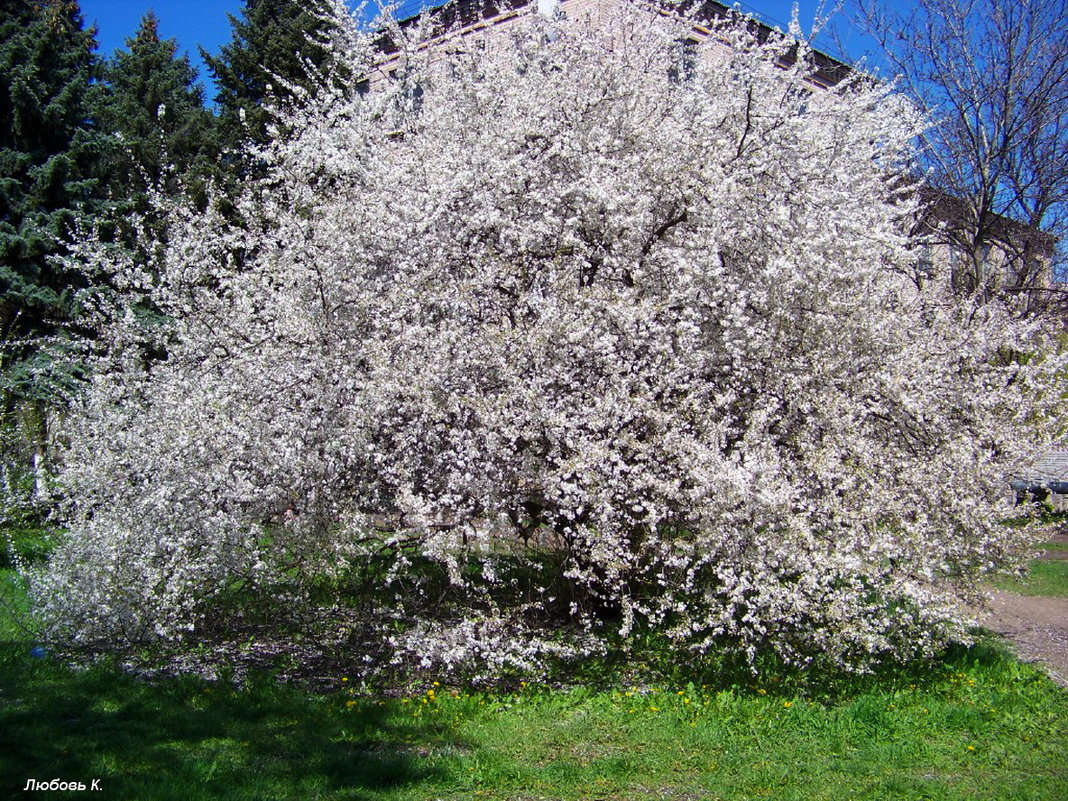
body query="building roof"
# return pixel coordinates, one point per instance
(459, 14)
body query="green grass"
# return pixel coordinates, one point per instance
(1045, 578)
(28, 543)
(981, 727)
(13, 606)
(974, 725)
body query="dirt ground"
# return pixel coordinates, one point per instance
(1037, 627)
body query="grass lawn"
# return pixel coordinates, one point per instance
(1046, 578)
(982, 727)
(976, 725)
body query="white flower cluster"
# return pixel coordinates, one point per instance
(482, 649)
(607, 345)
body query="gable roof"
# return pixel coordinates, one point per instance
(456, 15)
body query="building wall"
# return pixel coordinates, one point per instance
(467, 21)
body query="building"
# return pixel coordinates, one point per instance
(989, 256)
(464, 20)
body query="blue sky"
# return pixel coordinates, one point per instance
(191, 22)
(205, 23)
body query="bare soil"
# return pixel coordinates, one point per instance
(1037, 627)
(1059, 538)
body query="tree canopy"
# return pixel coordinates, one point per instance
(993, 77)
(274, 42)
(163, 138)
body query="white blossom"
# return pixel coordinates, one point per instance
(650, 351)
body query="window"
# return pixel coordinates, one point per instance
(685, 61)
(925, 266)
(410, 96)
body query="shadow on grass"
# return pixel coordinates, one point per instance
(658, 663)
(190, 739)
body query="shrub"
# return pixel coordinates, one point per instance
(599, 347)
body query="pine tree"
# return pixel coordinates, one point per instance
(162, 136)
(273, 39)
(50, 186)
(49, 162)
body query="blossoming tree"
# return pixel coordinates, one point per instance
(543, 343)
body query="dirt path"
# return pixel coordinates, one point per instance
(1038, 627)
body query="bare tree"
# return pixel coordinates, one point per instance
(993, 76)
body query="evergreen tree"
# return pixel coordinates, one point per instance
(273, 39)
(50, 169)
(162, 136)
(49, 172)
